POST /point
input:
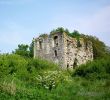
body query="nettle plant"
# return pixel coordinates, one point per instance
(50, 79)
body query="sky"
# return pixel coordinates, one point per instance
(23, 20)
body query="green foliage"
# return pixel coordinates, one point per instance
(25, 78)
(74, 34)
(25, 50)
(31, 49)
(11, 64)
(15, 64)
(96, 69)
(44, 35)
(50, 79)
(58, 30)
(22, 50)
(28, 79)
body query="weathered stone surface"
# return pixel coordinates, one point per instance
(63, 50)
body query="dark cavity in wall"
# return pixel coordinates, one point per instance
(55, 53)
(40, 44)
(56, 41)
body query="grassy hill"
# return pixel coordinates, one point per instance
(24, 78)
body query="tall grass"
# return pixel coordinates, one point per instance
(36, 79)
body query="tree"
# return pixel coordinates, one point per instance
(75, 34)
(58, 30)
(22, 50)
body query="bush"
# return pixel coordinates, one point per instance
(23, 68)
(95, 69)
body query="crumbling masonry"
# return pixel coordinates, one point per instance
(62, 49)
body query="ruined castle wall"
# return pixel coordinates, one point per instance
(75, 55)
(52, 48)
(63, 50)
(57, 57)
(69, 51)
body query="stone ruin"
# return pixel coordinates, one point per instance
(62, 49)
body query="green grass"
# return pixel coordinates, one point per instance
(97, 69)
(37, 79)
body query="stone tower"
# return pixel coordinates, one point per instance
(62, 49)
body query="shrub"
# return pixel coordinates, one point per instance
(95, 69)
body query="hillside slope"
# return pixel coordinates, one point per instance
(25, 78)
(35, 79)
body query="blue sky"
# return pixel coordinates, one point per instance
(21, 20)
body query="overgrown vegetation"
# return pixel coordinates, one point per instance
(25, 50)
(25, 78)
(97, 69)
(28, 79)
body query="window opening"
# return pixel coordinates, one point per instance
(67, 65)
(56, 40)
(55, 53)
(40, 44)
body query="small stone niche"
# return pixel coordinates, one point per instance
(55, 52)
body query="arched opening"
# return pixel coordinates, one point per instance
(40, 44)
(55, 53)
(56, 41)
